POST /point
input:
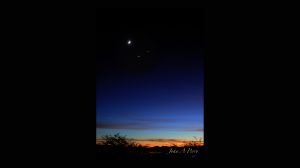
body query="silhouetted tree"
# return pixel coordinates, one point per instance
(118, 140)
(196, 143)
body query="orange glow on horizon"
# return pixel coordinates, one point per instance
(162, 142)
(167, 143)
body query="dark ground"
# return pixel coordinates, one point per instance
(153, 153)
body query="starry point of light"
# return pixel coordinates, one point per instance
(142, 95)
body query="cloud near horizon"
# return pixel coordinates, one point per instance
(142, 125)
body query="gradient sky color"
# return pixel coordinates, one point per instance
(152, 90)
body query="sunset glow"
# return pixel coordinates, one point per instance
(161, 142)
(150, 83)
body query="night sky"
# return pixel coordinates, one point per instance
(150, 76)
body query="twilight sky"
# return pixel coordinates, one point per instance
(149, 79)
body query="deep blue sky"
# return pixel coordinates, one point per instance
(152, 89)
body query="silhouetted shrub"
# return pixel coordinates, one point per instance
(196, 143)
(118, 140)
